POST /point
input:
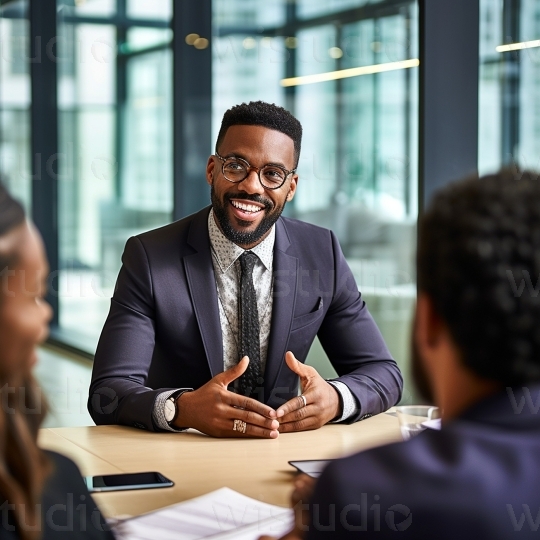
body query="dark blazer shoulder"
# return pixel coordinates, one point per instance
(68, 508)
(314, 246)
(176, 230)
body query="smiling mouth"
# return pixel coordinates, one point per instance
(247, 207)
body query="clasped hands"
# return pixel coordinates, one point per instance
(213, 409)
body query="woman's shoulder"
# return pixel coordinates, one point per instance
(68, 510)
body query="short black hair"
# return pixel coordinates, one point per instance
(479, 262)
(260, 113)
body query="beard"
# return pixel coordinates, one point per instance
(244, 238)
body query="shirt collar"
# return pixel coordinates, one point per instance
(227, 252)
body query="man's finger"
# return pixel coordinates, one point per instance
(227, 377)
(256, 431)
(293, 404)
(293, 535)
(238, 427)
(257, 420)
(296, 366)
(299, 414)
(249, 404)
(310, 422)
(303, 488)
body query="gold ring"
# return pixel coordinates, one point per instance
(304, 400)
(239, 425)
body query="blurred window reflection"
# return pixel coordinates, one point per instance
(115, 131)
(15, 153)
(509, 123)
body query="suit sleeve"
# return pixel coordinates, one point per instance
(356, 347)
(118, 394)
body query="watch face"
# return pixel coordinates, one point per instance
(170, 410)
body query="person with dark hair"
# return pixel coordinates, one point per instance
(213, 316)
(38, 490)
(477, 356)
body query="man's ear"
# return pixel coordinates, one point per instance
(292, 188)
(430, 328)
(210, 170)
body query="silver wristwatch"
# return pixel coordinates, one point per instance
(171, 406)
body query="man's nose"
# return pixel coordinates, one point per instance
(251, 183)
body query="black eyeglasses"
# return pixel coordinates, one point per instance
(236, 170)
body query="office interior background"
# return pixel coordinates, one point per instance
(110, 108)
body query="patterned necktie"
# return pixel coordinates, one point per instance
(248, 318)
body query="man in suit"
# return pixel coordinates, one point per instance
(478, 357)
(213, 316)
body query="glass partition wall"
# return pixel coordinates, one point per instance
(509, 132)
(15, 161)
(115, 147)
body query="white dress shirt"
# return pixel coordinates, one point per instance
(225, 259)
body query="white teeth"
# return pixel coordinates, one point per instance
(246, 207)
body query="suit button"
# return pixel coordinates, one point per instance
(366, 416)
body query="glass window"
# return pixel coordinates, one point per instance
(250, 13)
(139, 39)
(143, 9)
(15, 153)
(314, 8)
(90, 7)
(509, 116)
(359, 167)
(115, 139)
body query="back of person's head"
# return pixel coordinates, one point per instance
(479, 263)
(23, 467)
(259, 113)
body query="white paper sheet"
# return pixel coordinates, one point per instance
(433, 424)
(219, 515)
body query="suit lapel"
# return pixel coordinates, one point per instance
(285, 283)
(202, 285)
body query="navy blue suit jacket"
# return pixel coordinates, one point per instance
(163, 330)
(478, 478)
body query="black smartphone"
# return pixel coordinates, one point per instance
(311, 467)
(118, 482)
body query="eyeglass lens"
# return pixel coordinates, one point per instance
(270, 176)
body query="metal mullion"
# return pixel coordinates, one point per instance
(449, 80)
(121, 98)
(117, 20)
(192, 105)
(44, 136)
(407, 111)
(510, 82)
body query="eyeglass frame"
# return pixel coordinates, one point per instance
(251, 168)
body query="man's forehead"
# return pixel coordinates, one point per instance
(258, 139)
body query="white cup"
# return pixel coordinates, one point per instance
(413, 418)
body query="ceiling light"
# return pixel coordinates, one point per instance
(192, 38)
(335, 52)
(351, 72)
(518, 46)
(291, 43)
(249, 43)
(201, 43)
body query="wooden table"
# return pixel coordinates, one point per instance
(199, 464)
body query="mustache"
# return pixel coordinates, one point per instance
(250, 197)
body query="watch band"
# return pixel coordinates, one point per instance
(174, 397)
